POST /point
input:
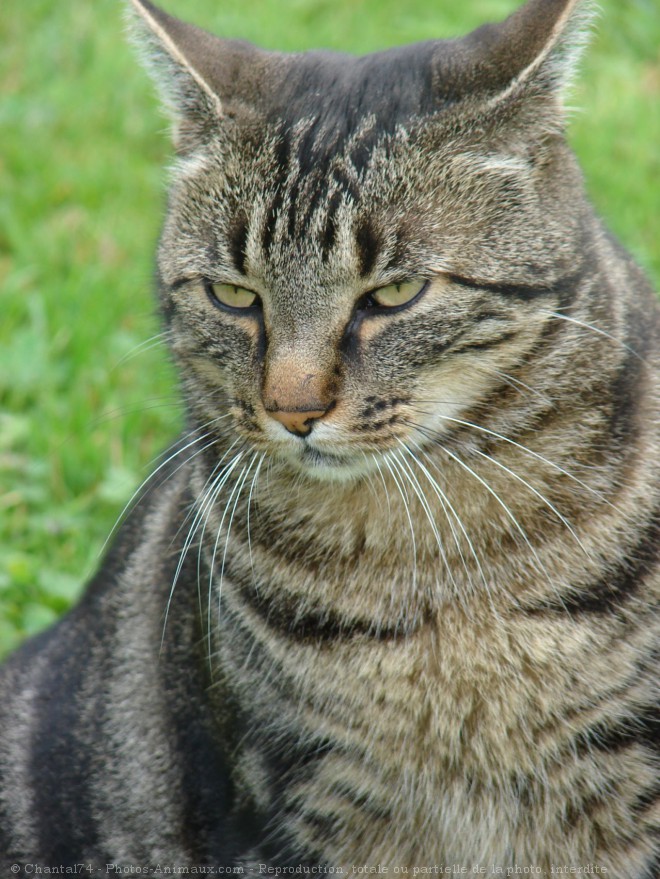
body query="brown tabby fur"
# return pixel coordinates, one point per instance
(426, 632)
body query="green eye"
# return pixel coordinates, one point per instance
(232, 297)
(396, 294)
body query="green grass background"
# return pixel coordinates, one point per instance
(84, 408)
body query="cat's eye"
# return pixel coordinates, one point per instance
(395, 295)
(231, 296)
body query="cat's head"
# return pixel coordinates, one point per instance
(357, 249)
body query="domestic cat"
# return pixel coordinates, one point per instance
(391, 600)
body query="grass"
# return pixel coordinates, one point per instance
(84, 405)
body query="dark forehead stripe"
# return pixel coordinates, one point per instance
(281, 160)
(238, 234)
(298, 197)
(368, 246)
(329, 235)
(330, 106)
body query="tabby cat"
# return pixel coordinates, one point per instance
(390, 602)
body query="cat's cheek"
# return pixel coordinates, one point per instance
(447, 395)
(233, 345)
(210, 371)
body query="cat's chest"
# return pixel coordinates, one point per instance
(421, 727)
(371, 663)
(418, 727)
(425, 717)
(444, 693)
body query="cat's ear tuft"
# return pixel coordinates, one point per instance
(198, 75)
(537, 48)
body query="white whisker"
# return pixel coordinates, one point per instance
(370, 482)
(414, 482)
(527, 451)
(386, 461)
(387, 493)
(448, 506)
(146, 345)
(194, 506)
(203, 512)
(205, 506)
(513, 382)
(151, 476)
(217, 538)
(593, 329)
(504, 506)
(462, 527)
(238, 489)
(252, 488)
(541, 497)
(430, 435)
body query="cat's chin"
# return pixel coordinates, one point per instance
(328, 466)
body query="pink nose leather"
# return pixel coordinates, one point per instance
(298, 422)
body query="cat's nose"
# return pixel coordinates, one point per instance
(298, 422)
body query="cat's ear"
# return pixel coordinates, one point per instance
(198, 75)
(537, 48)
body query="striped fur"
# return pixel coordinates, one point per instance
(424, 632)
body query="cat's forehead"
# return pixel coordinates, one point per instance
(321, 209)
(299, 203)
(339, 91)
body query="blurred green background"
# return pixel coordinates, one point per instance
(87, 398)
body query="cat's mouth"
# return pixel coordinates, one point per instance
(328, 452)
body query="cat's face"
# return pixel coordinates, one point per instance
(392, 297)
(346, 268)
